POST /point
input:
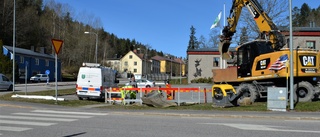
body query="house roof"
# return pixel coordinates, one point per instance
(160, 58)
(215, 49)
(308, 29)
(28, 52)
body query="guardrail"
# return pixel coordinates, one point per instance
(178, 95)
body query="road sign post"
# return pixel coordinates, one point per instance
(57, 44)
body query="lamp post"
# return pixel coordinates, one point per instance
(180, 70)
(145, 61)
(170, 65)
(96, 52)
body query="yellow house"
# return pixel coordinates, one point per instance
(172, 66)
(135, 63)
(132, 63)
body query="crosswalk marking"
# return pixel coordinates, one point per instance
(77, 113)
(26, 123)
(8, 128)
(38, 118)
(52, 115)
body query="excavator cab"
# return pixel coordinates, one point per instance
(247, 53)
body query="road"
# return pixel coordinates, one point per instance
(32, 87)
(31, 120)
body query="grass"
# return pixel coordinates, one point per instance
(257, 106)
(72, 103)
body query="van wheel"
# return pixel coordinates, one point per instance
(80, 98)
(148, 86)
(38, 80)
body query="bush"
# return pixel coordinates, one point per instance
(202, 80)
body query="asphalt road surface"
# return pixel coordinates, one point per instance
(38, 120)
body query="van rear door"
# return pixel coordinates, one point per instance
(89, 82)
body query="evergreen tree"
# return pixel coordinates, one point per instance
(193, 42)
(304, 14)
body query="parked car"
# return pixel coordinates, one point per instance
(5, 83)
(143, 83)
(39, 78)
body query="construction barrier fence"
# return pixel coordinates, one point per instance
(178, 95)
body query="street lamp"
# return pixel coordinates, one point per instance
(170, 65)
(180, 69)
(96, 52)
(145, 61)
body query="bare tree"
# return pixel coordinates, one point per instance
(277, 10)
(213, 38)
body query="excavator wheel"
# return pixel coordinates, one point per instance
(304, 91)
(248, 90)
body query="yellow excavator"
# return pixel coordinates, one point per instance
(263, 62)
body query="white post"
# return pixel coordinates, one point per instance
(13, 45)
(26, 76)
(291, 58)
(178, 96)
(56, 77)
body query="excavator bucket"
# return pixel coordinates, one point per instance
(224, 49)
(156, 99)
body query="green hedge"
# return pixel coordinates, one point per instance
(202, 80)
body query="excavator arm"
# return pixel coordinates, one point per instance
(268, 30)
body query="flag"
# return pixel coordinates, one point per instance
(280, 63)
(216, 22)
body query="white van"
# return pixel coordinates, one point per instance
(93, 79)
(5, 83)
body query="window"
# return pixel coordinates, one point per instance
(216, 61)
(311, 44)
(135, 63)
(47, 62)
(130, 56)
(126, 63)
(21, 59)
(135, 70)
(37, 61)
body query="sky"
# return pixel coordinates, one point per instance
(164, 25)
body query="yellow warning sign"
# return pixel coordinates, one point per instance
(57, 44)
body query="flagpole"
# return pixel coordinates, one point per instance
(224, 24)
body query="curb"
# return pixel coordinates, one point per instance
(216, 116)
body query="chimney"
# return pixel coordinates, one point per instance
(42, 50)
(310, 24)
(32, 48)
(314, 24)
(135, 51)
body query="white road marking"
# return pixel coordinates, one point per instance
(18, 129)
(52, 115)
(307, 121)
(26, 123)
(37, 118)
(260, 127)
(77, 113)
